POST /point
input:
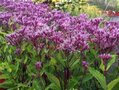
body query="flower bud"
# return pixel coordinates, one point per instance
(18, 51)
(38, 65)
(85, 64)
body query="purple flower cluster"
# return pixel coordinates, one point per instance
(105, 58)
(37, 23)
(104, 34)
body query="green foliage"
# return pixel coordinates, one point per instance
(74, 7)
(113, 83)
(59, 70)
(112, 61)
(12, 67)
(109, 64)
(99, 76)
(54, 80)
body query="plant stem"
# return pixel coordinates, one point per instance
(105, 71)
(66, 77)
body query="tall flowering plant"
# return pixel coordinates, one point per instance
(49, 49)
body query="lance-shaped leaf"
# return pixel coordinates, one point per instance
(113, 83)
(99, 76)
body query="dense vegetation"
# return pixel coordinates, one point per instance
(47, 49)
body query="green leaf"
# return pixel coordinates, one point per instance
(102, 66)
(51, 86)
(7, 84)
(3, 33)
(113, 83)
(36, 85)
(87, 78)
(99, 76)
(22, 85)
(16, 66)
(13, 88)
(26, 59)
(4, 76)
(53, 61)
(60, 59)
(54, 80)
(74, 64)
(111, 62)
(73, 82)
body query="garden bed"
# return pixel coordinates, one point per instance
(47, 49)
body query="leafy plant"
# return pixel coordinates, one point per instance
(46, 49)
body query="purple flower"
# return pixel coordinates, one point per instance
(85, 64)
(105, 57)
(37, 23)
(38, 65)
(18, 51)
